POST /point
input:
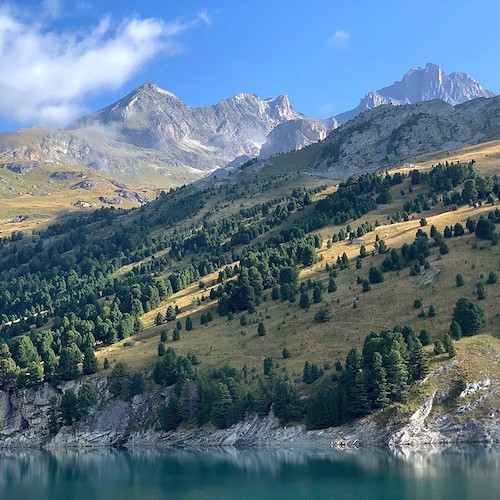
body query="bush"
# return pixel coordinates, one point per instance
(161, 349)
(424, 337)
(375, 275)
(323, 315)
(459, 279)
(261, 329)
(492, 278)
(469, 316)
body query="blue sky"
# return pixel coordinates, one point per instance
(62, 58)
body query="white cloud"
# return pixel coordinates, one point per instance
(45, 75)
(203, 16)
(339, 38)
(52, 8)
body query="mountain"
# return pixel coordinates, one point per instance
(421, 84)
(152, 129)
(387, 135)
(417, 85)
(152, 136)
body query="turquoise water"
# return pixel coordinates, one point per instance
(453, 473)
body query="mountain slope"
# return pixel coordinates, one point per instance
(418, 85)
(387, 136)
(152, 133)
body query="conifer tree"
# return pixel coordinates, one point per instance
(448, 346)
(170, 416)
(304, 302)
(397, 376)
(189, 324)
(317, 295)
(261, 329)
(286, 401)
(358, 403)
(380, 389)
(419, 362)
(90, 363)
(332, 285)
(455, 331)
(221, 407)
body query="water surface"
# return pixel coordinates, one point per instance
(455, 473)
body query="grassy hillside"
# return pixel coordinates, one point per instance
(105, 280)
(386, 305)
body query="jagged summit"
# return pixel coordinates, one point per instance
(153, 128)
(421, 84)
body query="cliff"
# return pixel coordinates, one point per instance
(444, 417)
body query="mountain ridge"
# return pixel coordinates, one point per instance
(151, 130)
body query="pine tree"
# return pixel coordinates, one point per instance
(424, 337)
(304, 302)
(261, 329)
(469, 316)
(68, 362)
(189, 324)
(397, 376)
(34, 374)
(332, 285)
(159, 319)
(221, 407)
(379, 386)
(358, 403)
(317, 295)
(90, 363)
(286, 401)
(419, 362)
(87, 397)
(455, 331)
(448, 346)
(170, 314)
(161, 349)
(170, 416)
(68, 407)
(176, 335)
(105, 363)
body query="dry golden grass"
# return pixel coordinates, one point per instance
(387, 304)
(45, 199)
(486, 156)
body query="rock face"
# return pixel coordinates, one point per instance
(419, 85)
(25, 422)
(152, 130)
(293, 134)
(383, 136)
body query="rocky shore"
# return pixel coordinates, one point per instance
(25, 422)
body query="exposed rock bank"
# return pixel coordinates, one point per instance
(25, 422)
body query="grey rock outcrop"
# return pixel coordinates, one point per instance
(386, 135)
(417, 85)
(152, 130)
(420, 85)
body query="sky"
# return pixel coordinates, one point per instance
(60, 59)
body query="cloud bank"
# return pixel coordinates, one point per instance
(45, 75)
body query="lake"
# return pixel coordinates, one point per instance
(455, 473)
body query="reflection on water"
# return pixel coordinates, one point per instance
(469, 472)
